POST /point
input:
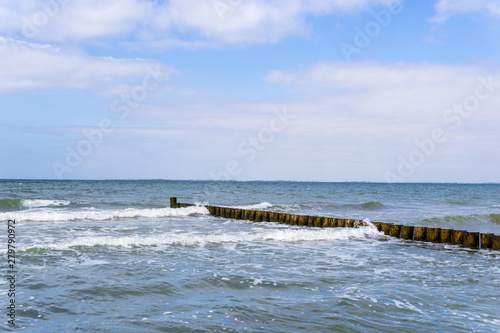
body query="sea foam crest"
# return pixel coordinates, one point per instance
(35, 203)
(262, 205)
(42, 215)
(188, 239)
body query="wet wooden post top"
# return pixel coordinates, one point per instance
(173, 202)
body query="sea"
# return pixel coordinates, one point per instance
(112, 256)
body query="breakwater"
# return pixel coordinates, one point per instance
(464, 238)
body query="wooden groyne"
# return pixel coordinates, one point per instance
(467, 239)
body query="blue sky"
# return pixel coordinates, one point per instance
(306, 90)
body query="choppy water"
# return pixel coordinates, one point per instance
(111, 256)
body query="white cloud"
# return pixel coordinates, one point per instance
(27, 66)
(424, 80)
(72, 20)
(162, 23)
(445, 9)
(379, 111)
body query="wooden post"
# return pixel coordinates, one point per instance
(327, 222)
(258, 216)
(282, 218)
(237, 214)
(446, 235)
(303, 220)
(434, 235)
(377, 225)
(471, 240)
(233, 213)
(265, 217)
(293, 219)
(310, 221)
(341, 223)
(407, 232)
(486, 241)
(457, 237)
(278, 217)
(273, 217)
(317, 221)
(395, 230)
(420, 234)
(251, 215)
(173, 202)
(349, 223)
(386, 228)
(495, 243)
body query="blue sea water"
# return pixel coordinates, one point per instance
(111, 256)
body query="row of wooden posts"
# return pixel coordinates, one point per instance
(473, 240)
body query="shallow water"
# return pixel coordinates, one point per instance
(108, 256)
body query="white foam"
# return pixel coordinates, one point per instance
(262, 205)
(34, 203)
(42, 215)
(407, 305)
(189, 239)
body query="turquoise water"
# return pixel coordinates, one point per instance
(111, 256)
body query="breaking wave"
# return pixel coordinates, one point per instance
(51, 215)
(189, 239)
(259, 206)
(32, 203)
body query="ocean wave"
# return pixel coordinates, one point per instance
(190, 239)
(32, 203)
(473, 219)
(50, 215)
(494, 218)
(291, 208)
(259, 206)
(11, 203)
(370, 205)
(459, 202)
(36, 203)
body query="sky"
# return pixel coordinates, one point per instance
(300, 90)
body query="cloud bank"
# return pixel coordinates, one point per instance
(168, 22)
(34, 66)
(445, 9)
